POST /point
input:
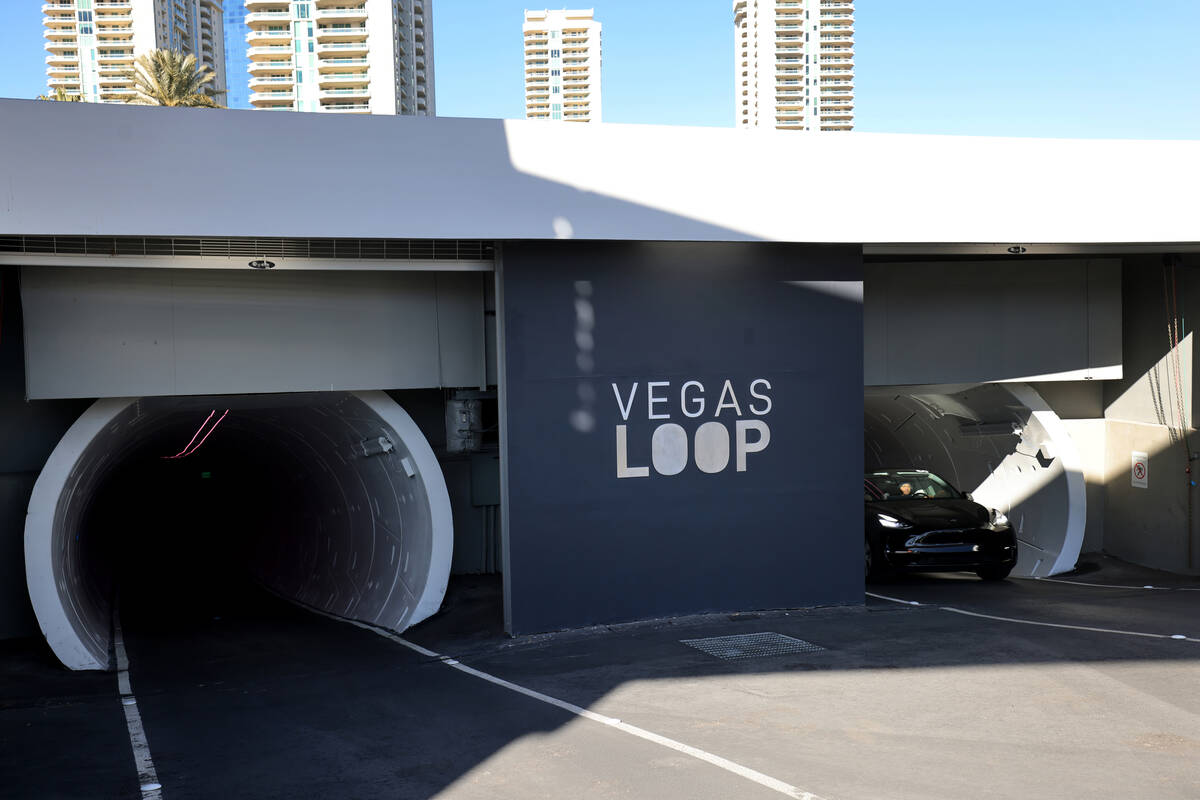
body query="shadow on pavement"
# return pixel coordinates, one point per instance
(252, 697)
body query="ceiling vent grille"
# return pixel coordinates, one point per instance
(354, 249)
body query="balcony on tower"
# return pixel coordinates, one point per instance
(356, 15)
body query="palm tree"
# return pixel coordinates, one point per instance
(60, 94)
(169, 78)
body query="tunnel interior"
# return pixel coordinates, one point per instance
(999, 441)
(192, 506)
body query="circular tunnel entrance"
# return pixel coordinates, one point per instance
(999, 441)
(177, 505)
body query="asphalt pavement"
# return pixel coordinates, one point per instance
(1037, 689)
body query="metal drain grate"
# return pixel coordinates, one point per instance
(751, 645)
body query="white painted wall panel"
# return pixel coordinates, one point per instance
(967, 322)
(1104, 312)
(85, 331)
(460, 305)
(143, 332)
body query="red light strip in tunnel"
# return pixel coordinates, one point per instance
(189, 449)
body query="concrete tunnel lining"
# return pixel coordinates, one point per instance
(375, 543)
(1002, 443)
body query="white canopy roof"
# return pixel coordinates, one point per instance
(89, 169)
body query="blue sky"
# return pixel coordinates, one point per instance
(1069, 68)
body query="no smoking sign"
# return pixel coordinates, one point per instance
(1140, 472)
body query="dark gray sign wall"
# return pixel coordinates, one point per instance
(684, 427)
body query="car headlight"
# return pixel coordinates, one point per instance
(888, 521)
(997, 521)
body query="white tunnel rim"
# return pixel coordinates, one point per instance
(437, 494)
(1065, 450)
(57, 628)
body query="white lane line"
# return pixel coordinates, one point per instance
(755, 776)
(147, 776)
(1177, 636)
(1118, 586)
(893, 599)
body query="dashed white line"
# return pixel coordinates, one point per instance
(148, 783)
(782, 787)
(1178, 636)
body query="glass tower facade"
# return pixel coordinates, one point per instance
(237, 62)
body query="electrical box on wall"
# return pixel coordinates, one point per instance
(464, 425)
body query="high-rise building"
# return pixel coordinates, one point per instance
(341, 56)
(794, 64)
(562, 65)
(92, 44)
(237, 63)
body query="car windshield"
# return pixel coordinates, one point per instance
(906, 484)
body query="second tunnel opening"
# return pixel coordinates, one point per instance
(1001, 443)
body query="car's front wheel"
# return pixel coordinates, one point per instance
(875, 568)
(994, 573)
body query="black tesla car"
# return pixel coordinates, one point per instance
(917, 522)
